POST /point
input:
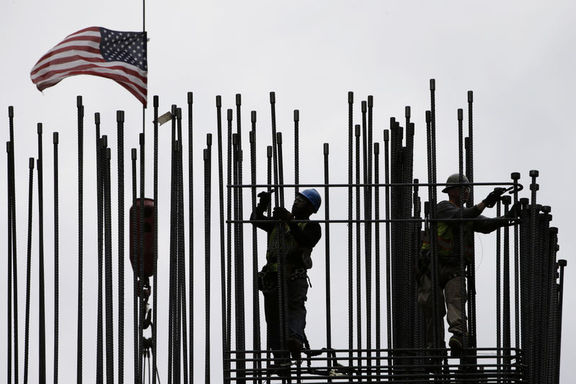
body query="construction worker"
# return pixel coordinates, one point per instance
(291, 236)
(451, 297)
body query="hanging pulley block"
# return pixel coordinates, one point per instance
(142, 246)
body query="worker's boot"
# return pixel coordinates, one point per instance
(456, 344)
(295, 347)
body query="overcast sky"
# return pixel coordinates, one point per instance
(517, 57)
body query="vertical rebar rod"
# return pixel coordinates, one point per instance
(13, 239)
(534, 294)
(350, 227)
(190, 96)
(177, 189)
(358, 250)
(367, 129)
(225, 344)
(80, 292)
(172, 350)
(269, 182)
(229, 115)
(377, 269)
(470, 138)
(461, 250)
(100, 244)
(238, 264)
(136, 359)
(28, 267)
(174, 341)
(41, 284)
(108, 269)
(327, 251)
(207, 222)
(142, 306)
(296, 150)
(10, 341)
(255, 300)
(515, 176)
(506, 289)
(277, 202)
(472, 267)
(240, 313)
(120, 202)
(498, 294)
(433, 232)
(562, 264)
(181, 250)
(389, 324)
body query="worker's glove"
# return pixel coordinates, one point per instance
(514, 211)
(264, 202)
(493, 197)
(281, 213)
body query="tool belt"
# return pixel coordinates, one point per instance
(424, 262)
(268, 277)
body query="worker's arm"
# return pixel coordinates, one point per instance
(447, 210)
(307, 237)
(485, 224)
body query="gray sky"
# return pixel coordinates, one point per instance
(515, 55)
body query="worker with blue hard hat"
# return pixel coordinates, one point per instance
(291, 238)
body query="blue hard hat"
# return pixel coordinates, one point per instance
(313, 197)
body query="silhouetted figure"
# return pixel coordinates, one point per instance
(292, 236)
(452, 297)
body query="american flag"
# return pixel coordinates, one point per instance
(97, 51)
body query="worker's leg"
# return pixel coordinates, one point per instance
(426, 302)
(455, 303)
(271, 311)
(296, 316)
(455, 300)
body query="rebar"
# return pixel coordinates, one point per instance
(99, 144)
(120, 202)
(28, 267)
(207, 217)
(327, 255)
(80, 291)
(538, 277)
(190, 97)
(41, 284)
(108, 269)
